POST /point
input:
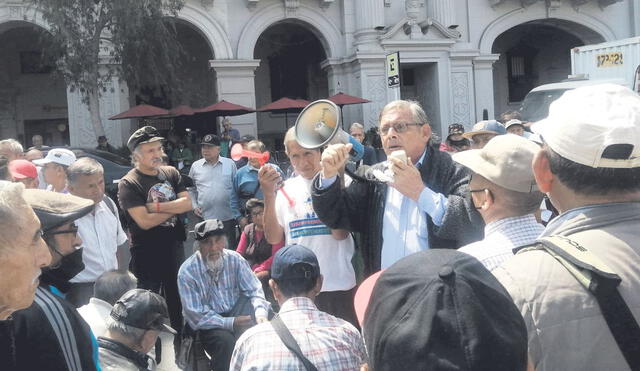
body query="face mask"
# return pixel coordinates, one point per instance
(70, 266)
(459, 143)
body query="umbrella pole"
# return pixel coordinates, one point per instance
(286, 122)
(342, 118)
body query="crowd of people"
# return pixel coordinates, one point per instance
(511, 246)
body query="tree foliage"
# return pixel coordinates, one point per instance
(94, 39)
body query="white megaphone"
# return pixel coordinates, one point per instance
(319, 125)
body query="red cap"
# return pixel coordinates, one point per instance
(22, 169)
(363, 294)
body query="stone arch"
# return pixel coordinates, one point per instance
(20, 13)
(520, 16)
(326, 31)
(212, 31)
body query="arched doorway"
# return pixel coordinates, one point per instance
(290, 55)
(197, 81)
(33, 99)
(532, 54)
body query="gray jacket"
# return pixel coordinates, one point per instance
(565, 325)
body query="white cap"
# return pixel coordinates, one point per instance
(584, 124)
(61, 156)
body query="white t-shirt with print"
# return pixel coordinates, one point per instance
(302, 226)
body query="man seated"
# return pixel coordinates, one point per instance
(133, 326)
(504, 191)
(329, 343)
(221, 296)
(109, 287)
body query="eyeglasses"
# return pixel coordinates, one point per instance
(399, 127)
(73, 229)
(258, 213)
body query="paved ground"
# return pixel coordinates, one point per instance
(168, 356)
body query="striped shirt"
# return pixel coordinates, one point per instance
(328, 342)
(501, 237)
(205, 299)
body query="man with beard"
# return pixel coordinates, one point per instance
(51, 334)
(221, 297)
(152, 196)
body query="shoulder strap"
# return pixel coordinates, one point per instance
(595, 276)
(290, 342)
(111, 205)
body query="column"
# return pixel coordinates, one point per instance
(235, 82)
(442, 11)
(369, 76)
(369, 23)
(483, 76)
(462, 87)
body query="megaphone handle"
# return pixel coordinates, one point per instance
(289, 200)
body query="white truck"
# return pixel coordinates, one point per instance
(615, 62)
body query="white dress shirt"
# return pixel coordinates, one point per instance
(101, 234)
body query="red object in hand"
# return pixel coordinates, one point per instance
(237, 152)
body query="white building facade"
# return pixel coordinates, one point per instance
(459, 58)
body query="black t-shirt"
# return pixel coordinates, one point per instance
(137, 189)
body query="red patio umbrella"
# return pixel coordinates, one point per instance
(224, 108)
(284, 105)
(140, 111)
(182, 110)
(341, 99)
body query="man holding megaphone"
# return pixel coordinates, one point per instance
(289, 215)
(422, 205)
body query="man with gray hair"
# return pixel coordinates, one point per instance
(504, 191)
(357, 131)
(152, 196)
(101, 232)
(11, 149)
(133, 326)
(109, 287)
(23, 252)
(424, 206)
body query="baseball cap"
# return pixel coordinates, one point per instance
(145, 134)
(513, 122)
(209, 227)
(55, 209)
(455, 129)
(505, 160)
(294, 262)
(22, 169)
(486, 127)
(442, 309)
(142, 309)
(210, 140)
(61, 156)
(596, 126)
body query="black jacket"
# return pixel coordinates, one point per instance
(51, 335)
(360, 208)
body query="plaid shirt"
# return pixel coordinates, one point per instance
(328, 342)
(204, 299)
(501, 237)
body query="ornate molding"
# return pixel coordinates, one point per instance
(460, 93)
(556, 4)
(291, 7)
(326, 3)
(450, 33)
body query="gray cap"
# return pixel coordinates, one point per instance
(142, 309)
(55, 209)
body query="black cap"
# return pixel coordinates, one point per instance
(102, 137)
(55, 209)
(210, 140)
(142, 309)
(209, 227)
(247, 138)
(442, 309)
(455, 129)
(146, 134)
(294, 262)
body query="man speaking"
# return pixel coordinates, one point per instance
(424, 206)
